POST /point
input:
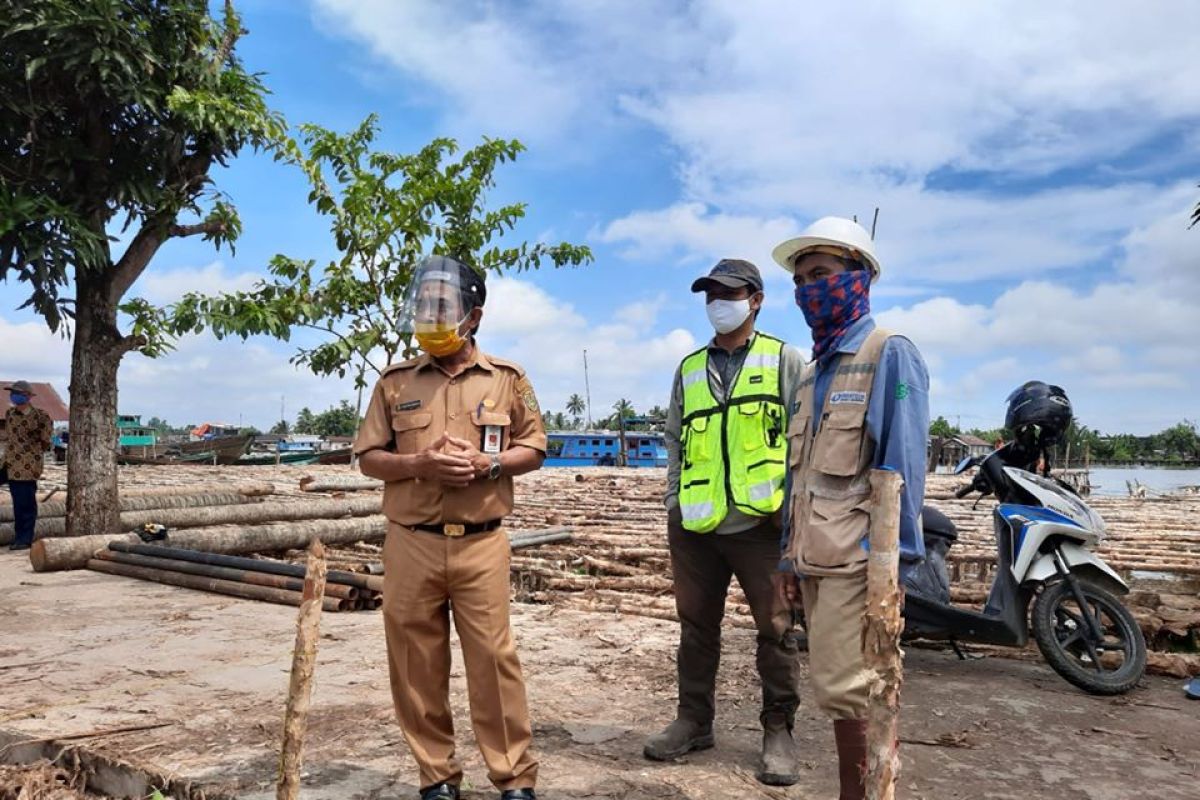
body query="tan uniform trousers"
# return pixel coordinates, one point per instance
(427, 577)
(834, 608)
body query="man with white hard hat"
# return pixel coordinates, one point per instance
(862, 404)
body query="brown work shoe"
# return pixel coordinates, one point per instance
(679, 738)
(851, 738)
(778, 764)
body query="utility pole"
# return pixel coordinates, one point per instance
(587, 388)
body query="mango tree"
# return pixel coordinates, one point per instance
(113, 113)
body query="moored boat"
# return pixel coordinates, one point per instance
(603, 449)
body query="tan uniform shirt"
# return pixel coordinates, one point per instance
(416, 401)
(27, 433)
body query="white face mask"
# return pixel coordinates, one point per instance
(727, 315)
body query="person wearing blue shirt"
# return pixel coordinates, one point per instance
(862, 404)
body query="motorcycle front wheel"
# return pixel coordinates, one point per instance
(1111, 663)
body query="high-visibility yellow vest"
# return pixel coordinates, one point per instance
(736, 450)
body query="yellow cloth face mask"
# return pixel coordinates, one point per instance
(440, 340)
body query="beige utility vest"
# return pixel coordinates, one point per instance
(829, 513)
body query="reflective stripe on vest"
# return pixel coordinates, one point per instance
(733, 451)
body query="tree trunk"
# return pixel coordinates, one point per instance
(339, 483)
(50, 555)
(92, 457)
(882, 627)
(210, 514)
(304, 664)
(142, 502)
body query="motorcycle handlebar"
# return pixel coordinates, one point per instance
(963, 491)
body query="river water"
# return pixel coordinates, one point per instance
(1111, 480)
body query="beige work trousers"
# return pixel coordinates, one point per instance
(427, 577)
(834, 608)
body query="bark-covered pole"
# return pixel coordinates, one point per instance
(881, 637)
(304, 661)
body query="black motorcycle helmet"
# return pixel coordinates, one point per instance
(1038, 414)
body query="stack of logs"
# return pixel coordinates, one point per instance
(618, 560)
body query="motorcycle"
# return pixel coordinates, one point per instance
(1046, 537)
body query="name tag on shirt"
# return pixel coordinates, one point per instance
(491, 439)
(843, 398)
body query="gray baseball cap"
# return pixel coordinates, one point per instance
(730, 272)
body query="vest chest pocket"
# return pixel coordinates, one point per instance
(759, 425)
(491, 430)
(699, 444)
(838, 445)
(411, 431)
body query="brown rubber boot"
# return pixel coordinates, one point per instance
(778, 764)
(679, 738)
(851, 738)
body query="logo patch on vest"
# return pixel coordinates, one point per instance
(755, 379)
(842, 398)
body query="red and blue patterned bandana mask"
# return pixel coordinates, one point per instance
(832, 305)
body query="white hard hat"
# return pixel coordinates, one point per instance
(839, 232)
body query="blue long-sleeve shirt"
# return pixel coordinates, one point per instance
(897, 422)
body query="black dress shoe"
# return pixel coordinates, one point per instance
(440, 791)
(518, 794)
(19, 546)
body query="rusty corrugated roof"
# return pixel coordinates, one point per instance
(44, 397)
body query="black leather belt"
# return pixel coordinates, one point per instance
(460, 528)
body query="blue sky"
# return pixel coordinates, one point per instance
(1034, 168)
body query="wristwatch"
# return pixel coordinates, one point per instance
(494, 470)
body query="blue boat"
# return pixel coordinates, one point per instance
(603, 449)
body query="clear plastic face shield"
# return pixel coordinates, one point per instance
(433, 311)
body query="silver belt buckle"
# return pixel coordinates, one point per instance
(454, 529)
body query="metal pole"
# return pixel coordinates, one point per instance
(338, 590)
(587, 387)
(232, 588)
(237, 562)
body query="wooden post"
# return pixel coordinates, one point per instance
(304, 661)
(881, 637)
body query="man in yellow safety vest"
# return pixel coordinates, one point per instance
(727, 453)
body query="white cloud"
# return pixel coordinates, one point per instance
(629, 355)
(940, 325)
(1102, 359)
(29, 351)
(233, 381)
(691, 233)
(493, 71)
(165, 286)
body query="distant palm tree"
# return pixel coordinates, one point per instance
(575, 407)
(624, 408)
(560, 421)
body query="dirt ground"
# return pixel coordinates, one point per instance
(83, 652)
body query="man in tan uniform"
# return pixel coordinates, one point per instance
(447, 431)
